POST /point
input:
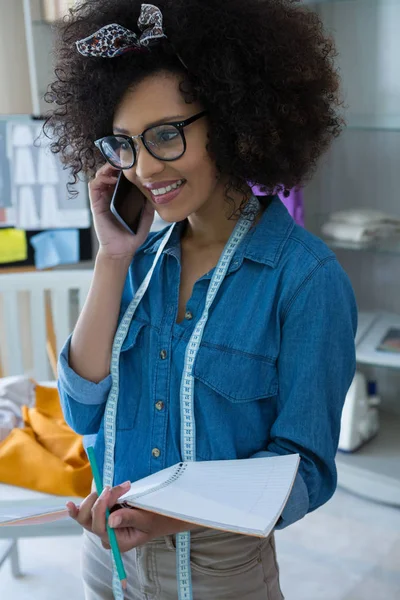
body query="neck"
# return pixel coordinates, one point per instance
(211, 226)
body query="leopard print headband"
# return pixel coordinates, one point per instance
(114, 40)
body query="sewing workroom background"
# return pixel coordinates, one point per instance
(349, 549)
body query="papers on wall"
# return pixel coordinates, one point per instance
(33, 182)
(5, 193)
(57, 247)
(13, 246)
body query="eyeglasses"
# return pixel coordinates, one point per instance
(165, 142)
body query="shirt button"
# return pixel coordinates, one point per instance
(188, 316)
(159, 405)
(163, 354)
(156, 453)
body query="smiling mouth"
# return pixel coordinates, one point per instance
(165, 190)
(165, 195)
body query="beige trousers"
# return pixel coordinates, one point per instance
(225, 566)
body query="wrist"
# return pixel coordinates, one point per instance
(114, 261)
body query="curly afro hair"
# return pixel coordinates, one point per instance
(263, 69)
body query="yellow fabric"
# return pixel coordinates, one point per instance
(46, 455)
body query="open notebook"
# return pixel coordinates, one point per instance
(243, 496)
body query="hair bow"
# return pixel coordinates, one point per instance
(113, 40)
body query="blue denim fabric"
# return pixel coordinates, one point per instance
(274, 366)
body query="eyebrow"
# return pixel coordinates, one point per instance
(163, 121)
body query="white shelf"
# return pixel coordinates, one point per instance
(374, 122)
(379, 246)
(374, 470)
(372, 335)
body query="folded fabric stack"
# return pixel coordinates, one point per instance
(361, 226)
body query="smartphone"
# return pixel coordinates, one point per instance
(127, 204)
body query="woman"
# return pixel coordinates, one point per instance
(195, 101)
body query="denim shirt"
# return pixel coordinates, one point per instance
(275, 363)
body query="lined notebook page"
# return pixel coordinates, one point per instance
(245, 496)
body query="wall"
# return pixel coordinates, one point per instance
(363, 165)
(15, 94)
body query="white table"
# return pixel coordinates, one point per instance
(17, 497)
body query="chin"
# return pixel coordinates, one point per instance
(173, 215)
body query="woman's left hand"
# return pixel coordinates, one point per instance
(133, 527)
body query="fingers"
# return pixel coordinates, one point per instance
(83, 513)
(118, 491)
(128, 537)
(107, 170)
(131, 517)
(102, 184)
(101, 180)
(131, 538)
(108, 178)
(85, 509)
(99, 513)
(106, 500)
(151, 524)
(73, 510)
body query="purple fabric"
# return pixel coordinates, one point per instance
(294, 202)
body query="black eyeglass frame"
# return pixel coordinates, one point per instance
(180, 126)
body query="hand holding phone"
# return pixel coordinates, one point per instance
(124, 226)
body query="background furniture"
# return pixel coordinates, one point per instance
(32, 334)
(14, 497)
(39, 311)
(361, 170)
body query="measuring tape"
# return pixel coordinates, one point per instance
(188, 425)
(110, 414)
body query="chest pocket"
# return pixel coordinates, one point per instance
(133, 337)
(236, 376)
(131, 377)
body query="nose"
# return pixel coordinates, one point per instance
(147, 165)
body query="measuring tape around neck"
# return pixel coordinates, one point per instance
(110, 414)
(188, 426)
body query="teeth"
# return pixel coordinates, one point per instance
(162, 191)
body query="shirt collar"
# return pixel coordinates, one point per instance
(264, 243)
(267, 239)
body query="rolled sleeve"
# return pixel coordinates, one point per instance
(316, 366)
(83, 401)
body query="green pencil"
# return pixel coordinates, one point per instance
(111, 533)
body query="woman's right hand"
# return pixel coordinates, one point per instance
(83, 514)
(115, 241)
